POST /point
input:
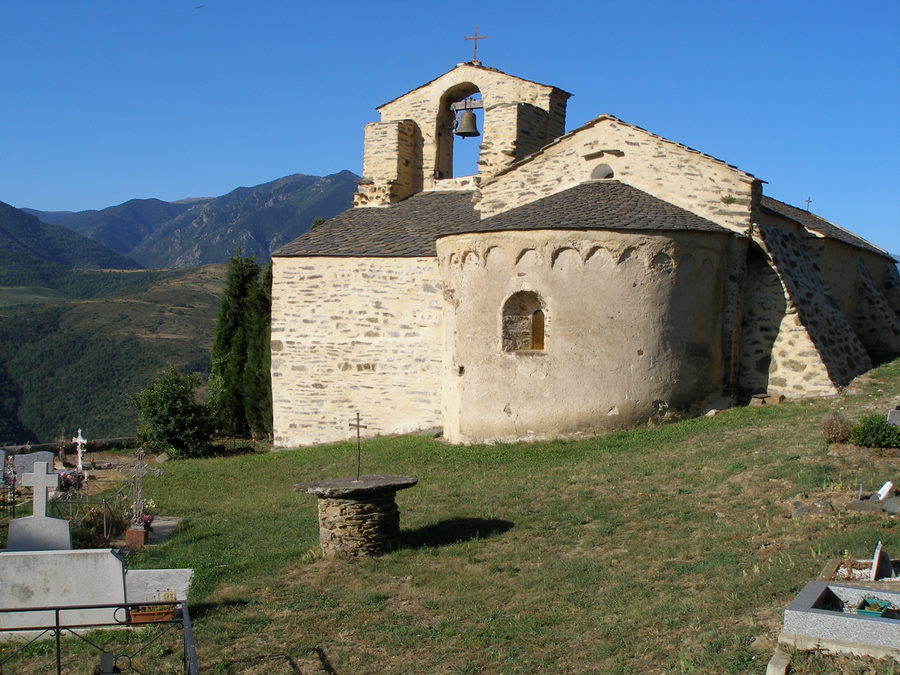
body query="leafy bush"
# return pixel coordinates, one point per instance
(170, 418)
(874, 431)
(835, 428)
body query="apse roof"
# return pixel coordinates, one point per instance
(598, 205)
(409, 228)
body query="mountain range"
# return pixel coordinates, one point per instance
(22, 235)
(257, 220)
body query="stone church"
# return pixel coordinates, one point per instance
(577, 283)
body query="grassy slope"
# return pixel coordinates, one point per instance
(656, 550)
(75, 360)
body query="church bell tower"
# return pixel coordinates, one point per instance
(410, 149)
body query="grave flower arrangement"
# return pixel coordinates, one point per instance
(157, 612)
(71, 481)
(873, 607)
(145, 518)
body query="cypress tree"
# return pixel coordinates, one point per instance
(240, 395)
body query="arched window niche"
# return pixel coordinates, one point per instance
(523, 323)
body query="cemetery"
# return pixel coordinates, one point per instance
(671, 548)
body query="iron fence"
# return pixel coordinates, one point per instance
(160, 618)
(112, 509)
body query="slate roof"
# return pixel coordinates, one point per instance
(813, 222)
(405, 229)
(409, 228)
(598, 205)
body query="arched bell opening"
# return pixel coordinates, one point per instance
(460, 124)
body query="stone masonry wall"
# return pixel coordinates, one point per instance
(390, 169)
(664, 169)
(354, 334)
(815, 340)
(875, 321)
(502, 134)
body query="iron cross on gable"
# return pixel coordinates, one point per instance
(357, 426)
(475, 38)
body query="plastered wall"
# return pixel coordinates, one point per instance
(633, 330)
(354, 334)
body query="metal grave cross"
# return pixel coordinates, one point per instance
(40, 480)
(80, 443)
(475, 38)
(137, 508)
(358, 426)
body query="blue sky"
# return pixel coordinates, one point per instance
(104, 101)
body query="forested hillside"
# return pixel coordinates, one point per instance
(74, 344)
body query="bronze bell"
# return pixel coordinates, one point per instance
(465, 125)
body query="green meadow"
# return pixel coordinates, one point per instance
(667, 549)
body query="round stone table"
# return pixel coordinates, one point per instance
(358, 517)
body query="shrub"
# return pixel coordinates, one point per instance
(874, 431)
(170, 418)
(836, 428)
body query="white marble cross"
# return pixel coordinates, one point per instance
(80, 443)
(40, 480)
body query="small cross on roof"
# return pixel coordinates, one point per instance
(475, 38)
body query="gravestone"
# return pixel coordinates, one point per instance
(25, 463)
(75, 579)
(893, 416)
(882, 567)
(816, 619)
(38, 532)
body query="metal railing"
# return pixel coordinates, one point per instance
(164, 617)
(111, 509)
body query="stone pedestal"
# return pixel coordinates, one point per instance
(135, 538)
(358, 517)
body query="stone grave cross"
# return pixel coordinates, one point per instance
(39, 532)
(80, 444)
(358, 450)
(40, 480)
